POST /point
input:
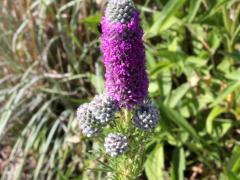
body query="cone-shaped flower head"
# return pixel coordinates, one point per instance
(86, 121)
(93, 116)
(103, 109)
(146, 116)
(119, 11)
(124, 54)
(116, 144)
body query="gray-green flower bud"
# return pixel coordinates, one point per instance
(116, 144)
(103, 109)
(86, 121)
(146, 116)
(119, 11)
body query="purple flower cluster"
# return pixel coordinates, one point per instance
(124, 59)
(126, 82)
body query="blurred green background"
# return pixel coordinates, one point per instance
(50, 63)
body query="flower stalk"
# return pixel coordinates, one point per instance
(126, 90)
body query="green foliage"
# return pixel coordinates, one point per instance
(155, 164)
(50, 63)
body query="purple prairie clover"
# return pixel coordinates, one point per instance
(124, 54)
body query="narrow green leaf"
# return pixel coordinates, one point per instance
(232, 87)
(5, 116)
(160, 66)
(178, 164)
(212, 115)
(98, 78)
(231, 176)
(180, 121)
(44, 149)
(218, 6)
(234, 162)
(194, 7)
(164, 83)
(167, 13)
(151, 61)
(177, 95)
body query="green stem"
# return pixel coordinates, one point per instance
(130, 165)
(127, 116)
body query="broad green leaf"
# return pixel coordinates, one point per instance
(153, 87)
(154, 165)
(189, 107)
(215, 41)
(212, 115)
(92, 20)
(235, 75)
(221, 127)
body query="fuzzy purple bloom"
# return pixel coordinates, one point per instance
(124, 60)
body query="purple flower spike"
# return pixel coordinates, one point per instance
(124, 54)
